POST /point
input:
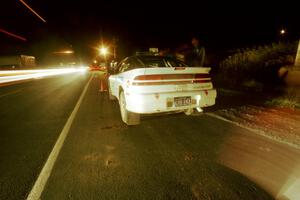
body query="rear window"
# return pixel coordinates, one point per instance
(175, 63)
(156, 61)
(153, 61)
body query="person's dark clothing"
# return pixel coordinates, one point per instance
(195, 56)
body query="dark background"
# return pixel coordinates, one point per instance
(137, 25)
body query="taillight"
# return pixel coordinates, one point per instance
(198, 76)
(201, 78)
(158, 77)
(148, 77)
(169, 79)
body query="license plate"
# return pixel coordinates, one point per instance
(182, 101)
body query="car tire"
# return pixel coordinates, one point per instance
(110, 96)
(128, 117)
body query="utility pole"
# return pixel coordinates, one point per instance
(297, 59)
(114, 45)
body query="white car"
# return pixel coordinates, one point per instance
(154, 84)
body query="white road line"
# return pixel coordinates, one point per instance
(9, 93)
(40, 183)
(256, 131)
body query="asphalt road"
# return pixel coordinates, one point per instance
(32, 115)
(165, 157)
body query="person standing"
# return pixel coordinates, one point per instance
(195, 55)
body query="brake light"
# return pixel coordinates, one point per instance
(148, 77)
(198, 76)
(202, 78)
(167, 79)
(155, 77)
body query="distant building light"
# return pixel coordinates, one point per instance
(153, 50)
(64, 52)
(282, 32)
(68, 52)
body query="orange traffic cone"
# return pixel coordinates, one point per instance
(103, 83)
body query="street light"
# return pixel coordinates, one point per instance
(103, 51)
(282, 32)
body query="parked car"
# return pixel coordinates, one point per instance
(156, 84)
(94, 68)
(98, 67)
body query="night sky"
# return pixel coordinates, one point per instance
(141, 24)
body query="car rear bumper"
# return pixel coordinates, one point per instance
(165, 102)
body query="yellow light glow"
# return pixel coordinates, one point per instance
(18, 75)
(64, 52)
(282, 32)
(68, 52)
(95, 61)
(103, 51)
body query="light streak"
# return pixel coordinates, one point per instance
(13, 35)
(36, 14)
(8, 76)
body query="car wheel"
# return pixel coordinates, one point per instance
(128, 117)
(110, 96)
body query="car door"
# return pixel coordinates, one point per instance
(116, 80)
(121, 76)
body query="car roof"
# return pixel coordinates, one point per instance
(150, 56)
